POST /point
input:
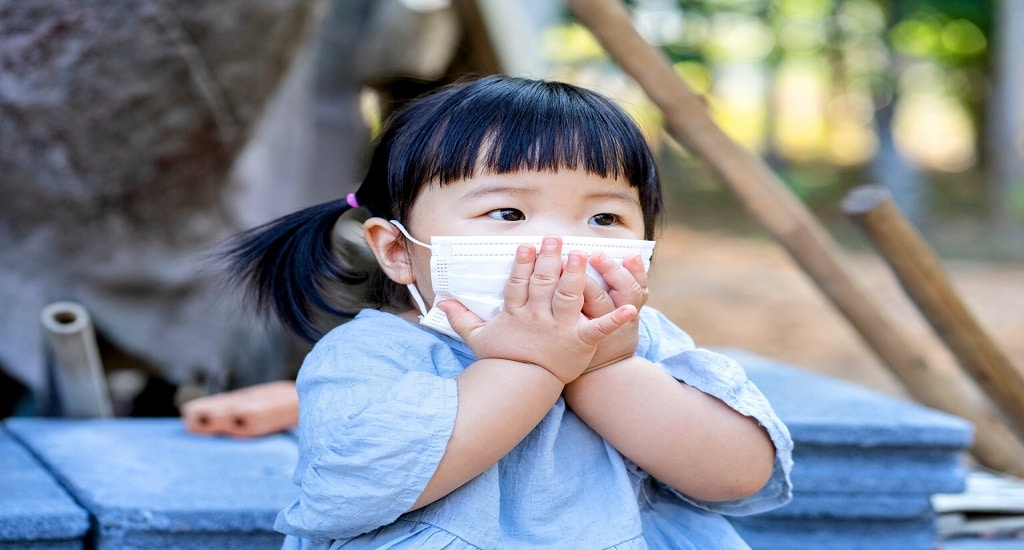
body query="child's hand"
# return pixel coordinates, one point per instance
(628, 286)
(542, 319)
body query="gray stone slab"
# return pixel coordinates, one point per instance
(825, 411)
(149, 484)
(849, 439)
(871, 506)
(884, 470)
(35, 511)
(1016, 543)
(763, 533)
(865, 464)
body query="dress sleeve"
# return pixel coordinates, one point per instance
(715, 374)
(373, 426)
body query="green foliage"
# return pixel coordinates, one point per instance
(940, 37)
(1016, 208)
(821, 87)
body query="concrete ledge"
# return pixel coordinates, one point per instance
(35, 512)
(149, 484)
(865, 464)
(811, 506)
(772, 534)
(832, 413)
(882, 469)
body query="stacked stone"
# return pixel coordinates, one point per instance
(35, 511)
(865, 464)
(147, 483)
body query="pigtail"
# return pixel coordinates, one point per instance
(286, 265)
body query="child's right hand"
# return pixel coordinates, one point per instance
(541, 321)
(627, 284)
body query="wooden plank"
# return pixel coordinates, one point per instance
(922, 277)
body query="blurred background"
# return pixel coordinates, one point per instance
(136, 135)
(922, 97)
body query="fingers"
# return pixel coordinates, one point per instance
(538, 280)
(462, 320)
(554, 288)
(627, 281)
(517, 289)
(547, 270)
(596, 302)
(568, 299)
(596, 330)
(635, 265)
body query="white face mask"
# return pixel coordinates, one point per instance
(474, 270)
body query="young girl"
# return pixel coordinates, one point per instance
(567, 415)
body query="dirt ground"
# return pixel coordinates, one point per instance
(746, 293)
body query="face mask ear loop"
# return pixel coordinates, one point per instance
(419, 299)
(405, 232)
(412, 287)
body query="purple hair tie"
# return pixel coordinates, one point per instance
(351, 200)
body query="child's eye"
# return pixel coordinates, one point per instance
(507, 214)
(604, 219)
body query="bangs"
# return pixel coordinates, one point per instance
(501, 125)
(526, 125)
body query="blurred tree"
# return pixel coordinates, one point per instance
(1005, 122)
(923, 96)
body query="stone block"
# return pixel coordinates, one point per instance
(150, 484)
(36, 513)
(763, 533)
(865, 464)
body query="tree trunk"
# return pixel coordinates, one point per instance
(1005, 124)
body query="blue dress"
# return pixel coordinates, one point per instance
(377, 406)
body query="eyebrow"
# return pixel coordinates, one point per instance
(616, 195)
(484, 190)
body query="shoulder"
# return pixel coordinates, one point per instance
(377, 331)
(371, 321)
(377, 342)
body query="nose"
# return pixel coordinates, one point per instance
(557, 226)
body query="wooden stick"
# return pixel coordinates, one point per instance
(789, 221)
(924, 280)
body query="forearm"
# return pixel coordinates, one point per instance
(499, 403)
(678, 434)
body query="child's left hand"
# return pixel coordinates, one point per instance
(628, 285)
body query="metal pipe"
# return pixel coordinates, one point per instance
(81, 383)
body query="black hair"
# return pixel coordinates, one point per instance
(496, 124)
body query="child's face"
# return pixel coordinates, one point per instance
(564, 203)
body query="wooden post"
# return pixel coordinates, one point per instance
(789, 221)
(923, 279)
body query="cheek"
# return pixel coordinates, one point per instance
(420, 260)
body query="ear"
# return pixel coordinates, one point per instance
(388, 246)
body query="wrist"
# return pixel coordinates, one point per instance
(608, 363)
(544, 371)
(561, 378)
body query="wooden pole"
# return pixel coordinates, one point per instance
(923, 279)
(789, 221)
